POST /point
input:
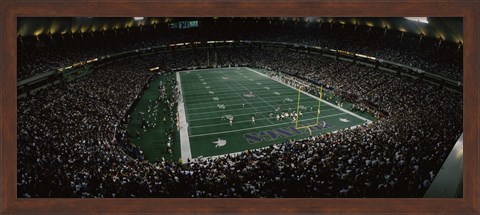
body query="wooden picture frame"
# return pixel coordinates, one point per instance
(11, 9)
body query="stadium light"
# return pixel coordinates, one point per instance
(418, 19)
(138, 18)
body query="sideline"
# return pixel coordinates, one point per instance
(184, 139)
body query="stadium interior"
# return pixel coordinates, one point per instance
(140, 107)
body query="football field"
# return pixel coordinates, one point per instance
(214, 97)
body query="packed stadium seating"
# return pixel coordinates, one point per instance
(70, 144)
(63, 51)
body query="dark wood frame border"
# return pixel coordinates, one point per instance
(11, 9)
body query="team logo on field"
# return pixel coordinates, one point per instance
(220, 143)
(285, 132)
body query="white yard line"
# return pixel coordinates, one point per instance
(213, 86)
(255, 94)
(271, 123)
(220, 111)
(304, 113)
(184, 139)
(308, 94)
(245, 129)
(206, 96)
(227, 124)
(227, 111)
(271, 88)
(235, 104)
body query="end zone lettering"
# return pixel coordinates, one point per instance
(273, 134)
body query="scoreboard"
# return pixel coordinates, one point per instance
(184, 24)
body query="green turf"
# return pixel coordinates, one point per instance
(330, 97)
(153, 141)
(204, 117)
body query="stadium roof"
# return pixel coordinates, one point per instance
(447, 28)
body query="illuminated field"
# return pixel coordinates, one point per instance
(210, 95)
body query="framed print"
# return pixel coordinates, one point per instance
(239, 107)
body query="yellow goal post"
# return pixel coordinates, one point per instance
(298, 110)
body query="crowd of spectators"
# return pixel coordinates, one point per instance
(57, 52)
(67, 145)
(66, 132)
